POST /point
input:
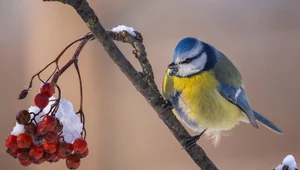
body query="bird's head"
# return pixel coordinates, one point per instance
(192, 56)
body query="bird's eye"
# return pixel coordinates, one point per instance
(188, 60)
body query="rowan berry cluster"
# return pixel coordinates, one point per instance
(43, 141)
(51, 130)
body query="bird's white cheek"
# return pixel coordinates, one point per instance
(187, 70)
(199, 63)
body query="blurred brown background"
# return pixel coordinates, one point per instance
(261, 37)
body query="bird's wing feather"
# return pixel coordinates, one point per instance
(226, 72)
(231, 86)
(266, 122)
(238, 97)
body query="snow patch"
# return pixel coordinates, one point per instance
(72, 127)
(121, 28)
(289, 161)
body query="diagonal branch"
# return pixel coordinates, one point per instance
(146, 87)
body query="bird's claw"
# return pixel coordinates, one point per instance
(192, 140)
(167, 104)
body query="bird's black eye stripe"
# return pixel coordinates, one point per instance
(188, 60)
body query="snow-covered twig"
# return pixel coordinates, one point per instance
(121, 28)
(124, 34)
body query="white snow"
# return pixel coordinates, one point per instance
(18, 129)
(121, 28)
(289, 161)
(72, 127)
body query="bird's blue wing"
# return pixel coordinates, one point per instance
(231, 88)
(238, 97)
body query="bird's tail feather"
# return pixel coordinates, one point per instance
(267, 122)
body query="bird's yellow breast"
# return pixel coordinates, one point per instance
(198, 102)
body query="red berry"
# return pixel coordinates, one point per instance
(65, 148)
(25, 163)
(11, 142)
(12, 153)
(36, 152)
(72, 162)
(23, 156)
(79, 145)
(30, 129)
(42, 129)
(41, 100)
(39, 161)
(50, 147)
(49, 122)
(24, 141)
(51, 137)
(51, 157)
(84, 154)
(59, 155)
(47, 89)
(23, 117)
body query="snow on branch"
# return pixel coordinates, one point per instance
(121, 28)
(288, 163)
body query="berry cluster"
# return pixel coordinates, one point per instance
(50, 130)
(23, 148)
(43, 141)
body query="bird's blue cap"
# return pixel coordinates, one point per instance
(187, 47)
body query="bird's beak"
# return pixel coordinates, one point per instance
(173, 69)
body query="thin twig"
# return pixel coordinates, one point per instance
(52, 62)
(83, 42)
(139, 52)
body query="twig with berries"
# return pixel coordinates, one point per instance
(51, 130)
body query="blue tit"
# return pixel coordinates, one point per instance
(206, 91)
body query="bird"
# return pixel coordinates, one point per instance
(206, 91)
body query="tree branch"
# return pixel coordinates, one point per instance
(145, 85)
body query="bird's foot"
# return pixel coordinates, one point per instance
(192, 140)
(167, 104)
